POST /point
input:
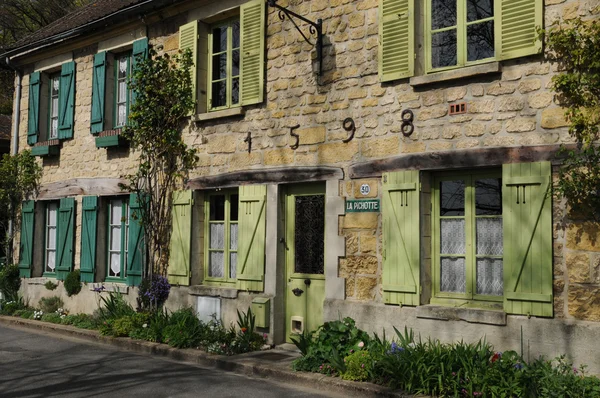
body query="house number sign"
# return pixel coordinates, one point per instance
(362, 206)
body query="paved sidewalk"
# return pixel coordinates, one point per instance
(272, 364)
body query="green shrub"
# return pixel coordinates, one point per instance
(114, 307)
(156, 323)
(559, 378)
(10, 282)
(10, 307)
(50, 285)
(73, 283)
(51, 317)
(83, 321)
(359, 366)
(184, 330)
(122, 327)
(50, 304)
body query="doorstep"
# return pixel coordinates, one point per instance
(274, 364)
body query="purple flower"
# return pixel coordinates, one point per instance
(518, 366)
(98, 289)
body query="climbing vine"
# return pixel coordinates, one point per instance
(574, 48)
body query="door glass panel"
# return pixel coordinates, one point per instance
(488, 197)
(233, 207)
(217, 235)
(490, 280)
(452, 237)
(115, 264)
(233, 236)
(233, 264)
(115, 238)
(453, 276)
(217, 208)
(52, 238)
(51, 260)
(309, 234)
(217, 265)
(489, 236)
(452, 198)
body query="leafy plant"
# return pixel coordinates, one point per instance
(73, 283)
(114, 307)
(83, 321)
(50, 304)
(50, 285)
(358, 366)
(10, 282)
(184, 329)
(303, 341)
(153, 292)
(246, 320)
(52, 318)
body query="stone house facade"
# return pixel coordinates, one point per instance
(402, 179)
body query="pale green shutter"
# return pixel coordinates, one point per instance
(251, 237)
(516, 27)
(396, 39)
(401, 237)
(188, 38)
(136, 248)
(527, 230)
(180, 249)
(89, 224)
(66, 101)
(26, 247)
(64, 241)
(33, 117)
(139, 53)
(252, 46)
(98, 93)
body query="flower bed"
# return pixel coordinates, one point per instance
(430, 367)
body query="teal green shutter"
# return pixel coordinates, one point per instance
(251, 238)
(396, 39)
(139, 53)
(188, 39)
(64, 240)
(527, 230)
(98, 93)
(89, 224)
(136, 248)
(252, 46)
(33, 117)
(401, 237)
(516, 27)
(66, 101)
(181, 239)
(26, 247)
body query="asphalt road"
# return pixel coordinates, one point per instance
(37, 364)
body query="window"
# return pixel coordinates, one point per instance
(122, 95)
(221, 232)
(461, 32)
(54, 85)
(467, 236)
(224, 65)
(118, 234)
(51, 238)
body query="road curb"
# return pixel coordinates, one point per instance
(247, 364)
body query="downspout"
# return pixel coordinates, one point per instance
(15, 139)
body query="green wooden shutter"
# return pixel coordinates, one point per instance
(188, 38)
(527, 230)
(33, 117)
(98, 92)
(136, 248)
(89, 224)
(516, 25)
(251, 237)
(401, 237)
(180, 249)
(26, 247)
(64, 240)
(66, 101)
(396, 39)
(252, 43)
(139, 53)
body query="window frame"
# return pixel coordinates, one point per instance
(229, 78)
(46, 236)
(51, 78)
(226, 280)
(470, 297)
(124, 238)
(115, 100)
(461, 37)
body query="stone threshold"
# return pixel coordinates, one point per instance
(249, 364)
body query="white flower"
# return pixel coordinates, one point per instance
(361, 344)
(145, 325)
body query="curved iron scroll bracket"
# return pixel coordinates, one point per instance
(348, 125)
(248, 140)
(296, 136)
(316, 28)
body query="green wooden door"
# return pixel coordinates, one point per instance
(305, 257)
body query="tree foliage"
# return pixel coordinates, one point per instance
(163, 101)
(575, 48)
(19, 179)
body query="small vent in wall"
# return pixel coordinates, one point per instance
(458, 108)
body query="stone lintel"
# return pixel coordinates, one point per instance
(267, 176)
(472, 315)
(81, 186)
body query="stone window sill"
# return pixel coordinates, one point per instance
(39, 281)
(471, 315)
(213, 291)
(454, 74)
(201, 117)
(110, 287)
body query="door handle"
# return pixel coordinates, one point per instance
(297, 292)
(307, 282)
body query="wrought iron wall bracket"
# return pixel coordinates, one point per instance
(296, 136)
(316, 29)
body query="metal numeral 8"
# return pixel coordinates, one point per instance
(407, 126)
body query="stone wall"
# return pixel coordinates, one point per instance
(513, 106)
